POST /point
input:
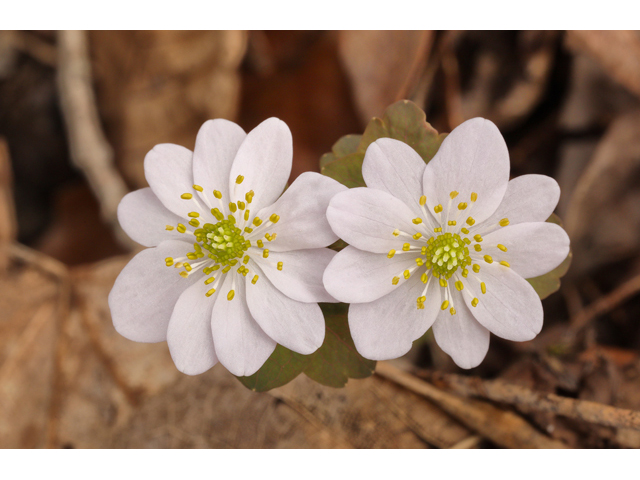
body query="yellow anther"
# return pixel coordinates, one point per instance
(396, 232)
(437, 230)
(502, 247)
(257, 222)
(217, 213)
(184, 274)
(406, 247)
(168, 261)
(474, 196)
(267, 236)
(248, 229)
(417, 236)
(477, 248)
(470, 221)
(215, 267)
(280, 265)
(451, 222)
(209, 280)
(466, 240)
(239, 179)
(217, 194)
(423, 250)
(249, 196)
(187, 267)
(391, 253)
(395, 280)
(210, 292)
(459, 286)
(191, 256)
(233, 207)
(477, 238)
(423, 200)
(504, 222)
(483, 287)
(465, 231)
(420, 306)
(406, 274)
(504, 263)
(417, 221)
(452, 311)
(260, 243)
(443, 282)
(465, 272)
(254, 279)
(182, 228)
(246, 215)
(419, 261)
(445, 304)
(245, 260)
(169, 227)
(424, 277)
(265, 253)
(230, 295)
(462, 205)
(274, 218)
(488, 259)
(422, 299)
(194, 222)
(186, 196)
(198, 188)
(178, 265)
(438, 208)
(226, 269)
(241, 205)
(453, 194)
(476, 268)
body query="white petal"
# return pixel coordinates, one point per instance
(143, 217)
(386, 328)
(301, 274)
(354, 276)
(295, 325)
(189, 335)
(145, 292)
(472, 159)
(366, 218)
(302, 209)
(394, 167)
(511, 308)
(241, 345)
(169, 170)
(529, 198)
(217, 144)
(264, 160)
(533, 249)
(461, 336)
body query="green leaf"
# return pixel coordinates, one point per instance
(549, 283)
(332, 364)
(403, 120)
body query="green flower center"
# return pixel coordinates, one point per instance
(224, 241)
(446, 253)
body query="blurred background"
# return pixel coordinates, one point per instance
(78, 113)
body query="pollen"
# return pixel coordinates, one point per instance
(504, 263)
(477, 238)
(483, 287)
(233, 207)
(396, 232)
(444, 305)
(210, 292)
(488, 259)
(254, 280)
(280, 265)
(257, 222)
(395, 280)
(459, 286)
(265, 253)
(239, 179)
(391, 253)
(451, 222)
(417, 236)
(470, 221)
(452, 311)
(423, 200)
(476, 268)
(464, 230)
(230, 295)
(462, 206)
(453, 194)
(474, 196)
(274, 218)
(474, 302)
(504, 222)
(417, 221)
(186, 196)
(502, 247)
(477, 248)
(169, 227)
(198, 188)
(438, 208)
(217, 194)
(406, 247)
(406, 274)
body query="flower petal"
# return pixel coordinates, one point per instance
(529, 198)
(241, 345)
(301, 274)
(461, 336)
(366, 218)
(354, 276)
(169, 170)
(394, 167)
(302, 209)
(386, 328)
(533, 249)
(264, 160)
(295, 325)
(511, 307)
(143, 217)
(145, 292)
(189, 335)
(217, 144)
(472, 159)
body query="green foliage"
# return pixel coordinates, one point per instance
(332, 364)
(403, 120)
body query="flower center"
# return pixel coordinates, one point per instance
(446, 253)
(224, 240)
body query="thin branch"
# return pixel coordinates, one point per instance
(8, 224)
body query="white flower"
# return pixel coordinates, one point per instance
(234, 269)
(447, 244)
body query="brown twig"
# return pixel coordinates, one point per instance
(90, 150)
(529, 400)
(8, 225)
(504, 428)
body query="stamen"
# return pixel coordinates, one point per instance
(423, 200)
(194, 222)
(474, 302)
(168, 261)
(505, 263)
(198, 188)
(417, 221)
(477, 248)
(186, 196)
(464, 230)
(417, 236)
(488, 259)
(453, 194)
(470, 221)
(483, 287)
(254, 280)
(395, 280)
(452, 311)
(241, 204)
(280, 264)
(233, 207)
(274, 218)
(407, 274)
(182, 228)
(462, 205)
(260, 243)
(210, 292)
(459, 285)
(249, 196)
(504, 222)
(391, 253)
(444, 305)
(474, 197)
(230, 295)
(239, 179)
(169, 227)
(217, 194)
(476, 268)
(477, 238)
(193, 214)
(451, 222)
(406, 247)
(502, 247)
(265, 253)
(438, 208)
(209, 280)
(437, 230)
